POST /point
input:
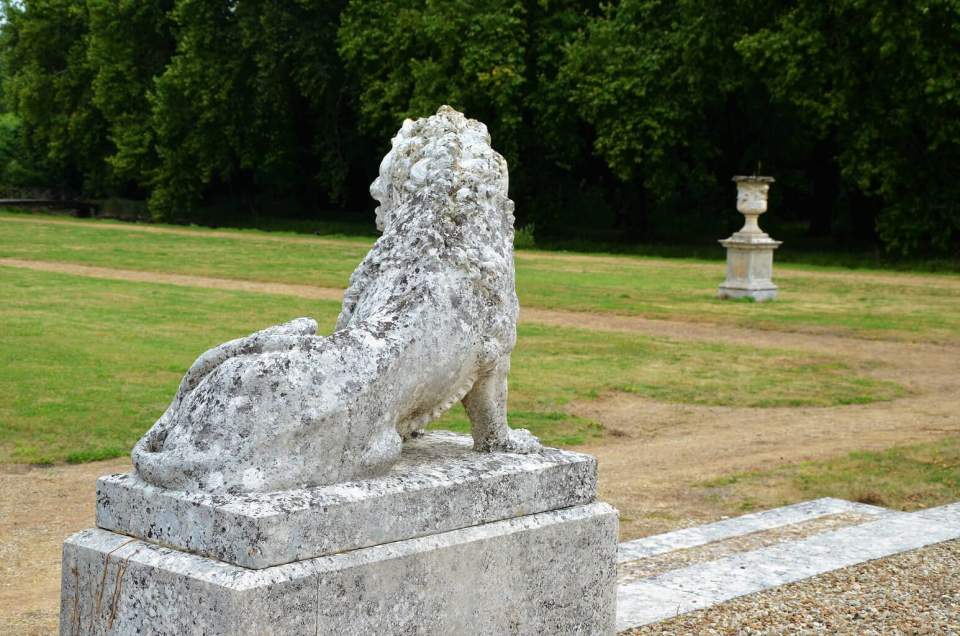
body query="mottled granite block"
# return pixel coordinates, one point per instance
(548, 573)
(439, 484)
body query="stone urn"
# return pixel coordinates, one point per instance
(750, 249)
(752, 195)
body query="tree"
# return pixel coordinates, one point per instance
(129, 45)
(496, 61)
(676, 111)
(48, 84)
(853, 104)
(248, 105)
(631, 116)
(410, 56)
(883, 77)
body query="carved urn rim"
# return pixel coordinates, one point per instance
(752, 179)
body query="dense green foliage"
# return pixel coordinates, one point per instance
(498, 61)
(129, 44)
(249, 106)
(619, 121)
(48, 83)
(883, 79)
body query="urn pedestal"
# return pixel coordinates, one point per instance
(449, 542)
(750, 250)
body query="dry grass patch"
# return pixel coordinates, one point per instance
(903, 477)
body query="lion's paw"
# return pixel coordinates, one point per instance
(517, 440)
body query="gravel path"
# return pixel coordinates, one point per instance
(916, 592)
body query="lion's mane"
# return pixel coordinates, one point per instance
(443, 203)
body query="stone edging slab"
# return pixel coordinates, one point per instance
(737, 526)
(706, 584)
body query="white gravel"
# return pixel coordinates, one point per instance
(916, 592)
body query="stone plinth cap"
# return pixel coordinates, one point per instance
(439, 484)
(753, 179)
(750, 242)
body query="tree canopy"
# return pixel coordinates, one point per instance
(621, 120)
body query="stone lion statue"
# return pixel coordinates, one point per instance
(429, 318)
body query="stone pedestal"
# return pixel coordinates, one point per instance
(449, 542)
(750, 250)
(749, 268)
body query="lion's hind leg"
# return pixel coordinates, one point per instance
(486, 406)
(380, 453)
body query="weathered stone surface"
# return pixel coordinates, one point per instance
(749, 270)
(549, 573)
(429, 319)
(750, 249)
(439, 484)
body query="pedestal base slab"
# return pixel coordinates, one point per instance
(759, 294)
(552, 572)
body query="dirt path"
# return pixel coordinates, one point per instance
(39, 508)
(181, 280)
(653, 453)
(198, 232)
(576, 319)
(656, 450)
(785, 271)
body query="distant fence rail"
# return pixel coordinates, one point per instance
(83, 208)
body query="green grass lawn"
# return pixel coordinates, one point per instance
(883, 305)
(87, 365)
